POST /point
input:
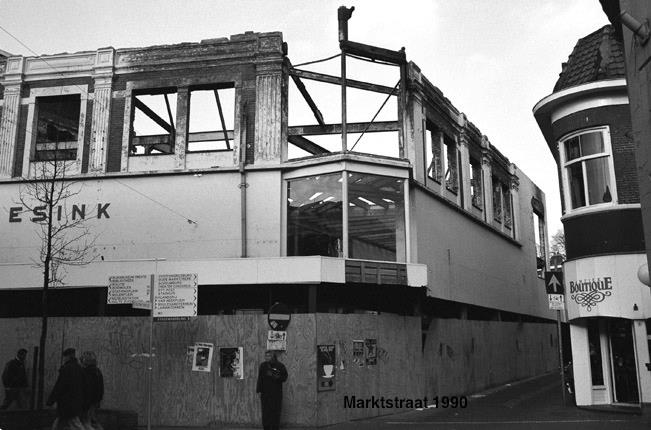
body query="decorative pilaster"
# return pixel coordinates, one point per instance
(515, 200)
(464, 155)
(10, 115)
(99, 141)
(268, 115)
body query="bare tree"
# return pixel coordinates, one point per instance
(65, 238)
(558, 243)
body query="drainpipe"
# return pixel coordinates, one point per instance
(243, 185)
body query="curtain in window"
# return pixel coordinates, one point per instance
(598, 180)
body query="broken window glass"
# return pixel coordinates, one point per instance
(152, 127)
(211, 119)
(57, 128)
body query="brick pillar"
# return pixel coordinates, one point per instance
(10, 115)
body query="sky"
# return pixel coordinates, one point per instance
(493, 59)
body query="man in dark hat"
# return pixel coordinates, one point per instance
(271, 375)
(68, 393)
(14, 378)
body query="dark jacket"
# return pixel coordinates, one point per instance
(68, 391)
(93, 386)
(271, 376)
(14, 375)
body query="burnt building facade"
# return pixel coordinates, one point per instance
(184, 162)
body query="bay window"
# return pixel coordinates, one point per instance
(587, 169)
(375, 213)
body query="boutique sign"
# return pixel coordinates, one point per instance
(590, 292)
(606, 286)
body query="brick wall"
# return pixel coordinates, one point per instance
(114, 155)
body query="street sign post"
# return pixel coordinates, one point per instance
(555, 294)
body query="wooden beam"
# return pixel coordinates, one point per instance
(373, 52)
(307, 145)
(354, 127)
(154, 116)
(321, 77)
(207, 136)
(221, 118)
(308, 98)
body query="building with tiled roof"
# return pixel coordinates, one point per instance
(586, 122)
(598, 56)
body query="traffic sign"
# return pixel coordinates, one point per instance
(279, 316)
(554, 282)
(556, 302)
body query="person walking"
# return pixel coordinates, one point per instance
(14, 379)
(68, 393)
(93, 391)
(271, 376)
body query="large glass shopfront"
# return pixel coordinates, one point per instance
(371, 228)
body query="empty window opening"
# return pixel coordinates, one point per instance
(57, 127)
(211, 119)
(152, 127)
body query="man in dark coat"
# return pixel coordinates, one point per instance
(271, 375)
(68, 393)
(93, 390)
(14, 379)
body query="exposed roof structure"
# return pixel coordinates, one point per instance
(596, 57)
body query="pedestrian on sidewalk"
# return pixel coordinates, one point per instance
(14, 379)
(271, 376)
(93, 391)
(68, 393)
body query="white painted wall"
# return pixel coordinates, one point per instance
(470, 263)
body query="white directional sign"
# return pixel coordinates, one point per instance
(128, 289)
(556, 302)
(176, 296)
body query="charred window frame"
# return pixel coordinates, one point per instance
(497, 200)
(211, 117)
(450, 167)
(153, 117)
(433, 162)
(476, 183)
(57, 127)
(539, 238)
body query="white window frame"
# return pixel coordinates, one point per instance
(608, 153)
